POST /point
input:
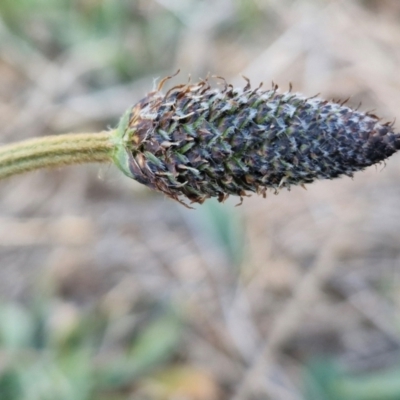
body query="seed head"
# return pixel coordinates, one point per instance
(198, 142)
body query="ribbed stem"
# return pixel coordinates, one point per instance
(55, 151)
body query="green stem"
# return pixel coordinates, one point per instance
(55, 151)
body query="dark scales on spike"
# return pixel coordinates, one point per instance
(197, 142)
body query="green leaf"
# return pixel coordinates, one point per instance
(16, 327)
(151, 348)
(223, 224)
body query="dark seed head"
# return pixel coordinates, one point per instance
(197, 142)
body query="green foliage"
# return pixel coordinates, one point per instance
(326, 380)
(223, 224)
(69, 363)
(151, 348)
(117, 30)
(16, 327)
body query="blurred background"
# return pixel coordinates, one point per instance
(111, 291)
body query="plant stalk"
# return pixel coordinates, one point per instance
(55, 151)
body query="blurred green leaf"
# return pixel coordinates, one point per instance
(222, 222)
(150, 349)
(382, 385)
(16, 327)
(45, 380)
(132, 43)
(330, 383)
(157, 341)
(10, 387)
(320, 373)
